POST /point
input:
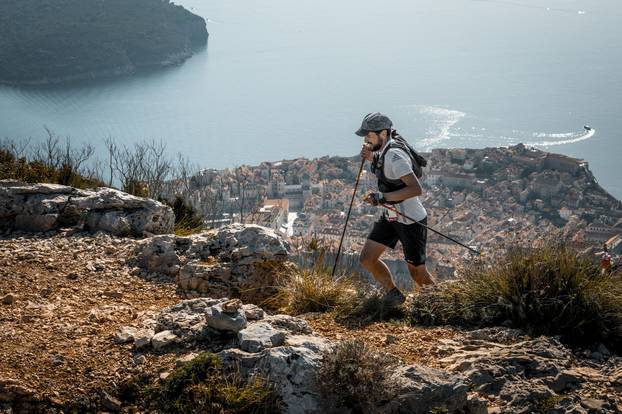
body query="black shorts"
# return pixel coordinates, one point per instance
(413, 237)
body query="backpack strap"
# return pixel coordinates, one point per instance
(418, 162)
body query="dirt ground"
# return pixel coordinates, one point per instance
(413, 345)
(63, 297)
(62, 300)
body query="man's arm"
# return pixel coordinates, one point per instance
(412, 189)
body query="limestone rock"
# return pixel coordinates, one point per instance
(260, 335)
(564, 381)
(184, 360)
(222, 321)
(517, 374)
(289, 323)
(252, 312)
(187, 319)
(44, 207)
(36, 222)
(291, 368)
(421, 390)
(283, 349)
(157, 254)
(163, 339)
(497, 334)
(125, 334)
(142, 338)
(312, 342)
(234, 261)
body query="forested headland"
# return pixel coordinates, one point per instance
(53, 41)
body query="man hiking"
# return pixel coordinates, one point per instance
(394, 167)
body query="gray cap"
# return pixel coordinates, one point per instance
(374, 121)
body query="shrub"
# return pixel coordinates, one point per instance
(354, 376)
(314, 289)
(367, 306)
(202, 386)
(36, 171)
(187, 219)
(546, 291)
(310, 286)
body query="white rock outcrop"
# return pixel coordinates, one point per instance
(45, 207)
(284, 349)
(234, 261)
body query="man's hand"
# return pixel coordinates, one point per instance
(374, 199)
(367, 153)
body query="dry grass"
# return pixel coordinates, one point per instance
(546, 291)
(36, 171)
(314, 289)
(311, 287)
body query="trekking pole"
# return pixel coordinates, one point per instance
(358, 177)
(429, 228)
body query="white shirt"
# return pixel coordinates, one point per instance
(398, 164)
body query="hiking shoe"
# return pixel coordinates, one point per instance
(393, 298)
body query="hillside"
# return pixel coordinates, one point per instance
(103, 309)
(45, 41)
(65, 346)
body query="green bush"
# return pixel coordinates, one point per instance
(187, 219)
(545, 291)
(36, 171)
(352, 375)
(202, 386)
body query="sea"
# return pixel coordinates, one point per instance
(281, 79)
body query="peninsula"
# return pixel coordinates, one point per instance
(44, 42)
(479, 196)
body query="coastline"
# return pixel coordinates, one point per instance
(173, 59)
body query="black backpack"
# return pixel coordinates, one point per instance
(418, 162)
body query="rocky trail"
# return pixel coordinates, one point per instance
(63, 298)
(79, 317)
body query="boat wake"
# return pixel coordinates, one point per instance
(566, 138)
(534, 6)
(446, 127)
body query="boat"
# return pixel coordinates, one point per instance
(587, 127)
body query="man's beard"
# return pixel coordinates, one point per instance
(376, 147)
